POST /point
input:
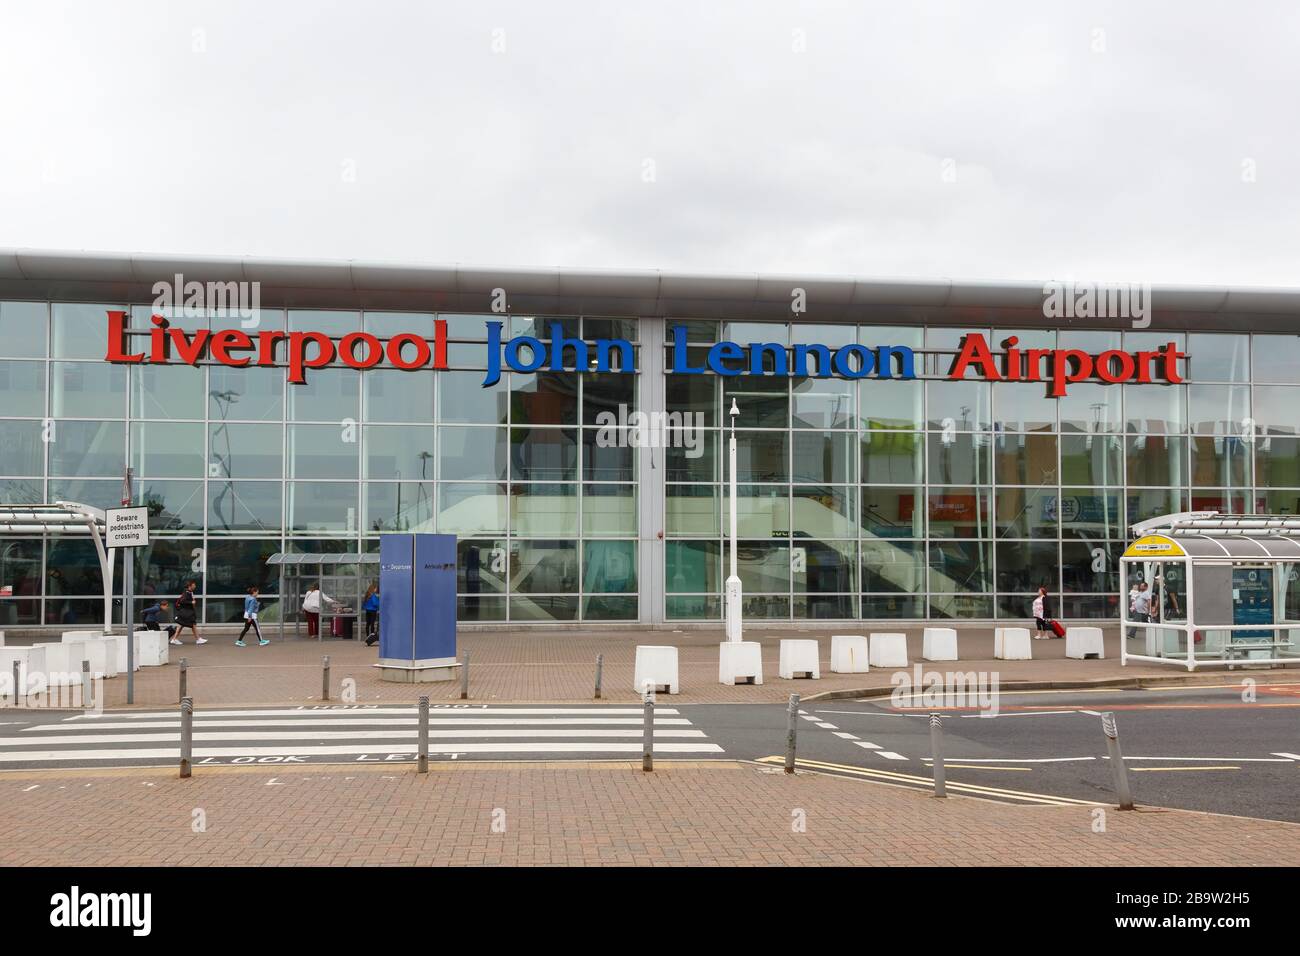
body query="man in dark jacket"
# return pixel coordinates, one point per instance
(153, 616)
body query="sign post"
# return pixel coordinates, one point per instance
(127, 528)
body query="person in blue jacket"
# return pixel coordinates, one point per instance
(151, 617)
(251, 607)
(371, 606)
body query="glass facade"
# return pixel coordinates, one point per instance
(868, 499)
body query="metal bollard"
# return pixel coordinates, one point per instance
(184, 676)
(791, 722)
(600, 668)
(1117, 768)
(18, 680)
(87, 698)
(187, 736)
(648, 730)
(422, 760)
(325, 678)
(464, 678)
(936, 751)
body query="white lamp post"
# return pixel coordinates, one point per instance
(733, 590)
(738, 659)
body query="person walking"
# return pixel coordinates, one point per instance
(151, 617)
(311, 605)
(371, 606)
(1040, 615)
(251, 607)
(1142, 604)
(187, 614)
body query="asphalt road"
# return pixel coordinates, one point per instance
(1191, 748)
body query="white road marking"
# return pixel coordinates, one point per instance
(867, 744)
(869, 713)
(846, 736)
(408, 734)
(435, 710)
(340, 750)
(35, 786)
(1012, 759)
(1034, 713)
(890, 755)
(1212, 759)
(826, 726)
(1288, 756)
(350, 720)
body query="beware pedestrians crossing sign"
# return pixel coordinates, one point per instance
(126, 527)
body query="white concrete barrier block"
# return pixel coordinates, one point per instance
(655, 665)
(31, 663)
(150, 648)
(96, 652)
(799, 656)
(939, 644)
(850, 654)
(62, 663)
(70, 636)
(1012, 644)
(888, 650)
(1082, 642)
(740, 661)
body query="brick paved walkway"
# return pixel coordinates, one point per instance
(560, 666)
(581, 813)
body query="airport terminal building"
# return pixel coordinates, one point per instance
(907, 450)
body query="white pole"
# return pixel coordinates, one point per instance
(733, 580)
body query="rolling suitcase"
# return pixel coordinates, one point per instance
(1057, 628)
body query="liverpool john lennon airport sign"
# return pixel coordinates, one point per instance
(303, 351)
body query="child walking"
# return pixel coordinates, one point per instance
(251, 606)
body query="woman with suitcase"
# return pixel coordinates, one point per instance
(1040, 616)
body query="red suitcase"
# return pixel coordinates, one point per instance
(1057, 628)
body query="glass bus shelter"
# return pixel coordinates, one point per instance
(343, 577)
(1224, 590)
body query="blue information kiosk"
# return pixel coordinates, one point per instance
(417, 607)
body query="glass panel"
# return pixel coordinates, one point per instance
(322, 451)
(1026, 512)
(761, 565)
(612, 393)
(769, 607)
(692, 510)
(1024, 566)
(828, 566)
(1218, 409)
(825, 512)
(822, 403)
(1025, 459)
(328, 395)
(960, 566)
(480, 609)
(692, 455)
(607, 454)
(167, 449)
(949, 340)
(80, 330)
(236, 564)
(23, 327)
(693, 566)
(762, 511)
(87, 390)
(1275, 409)
(547, 398)
(891, 607)
(240, 450)
(22, 451)
(959, 512)
(893, 566)
(72, 567)
(1156, 460)
(472, 452)
(480, 566)
(405, 506)
(746, 332)
(463, 398)
(23, 386)
(822, 457)
(824, 606)
(1218, 358)
(244, 506)
(603, 328)
(173, 505)
(1281, 502)
(1092, 607)
(543, 454)
(609, 510)
(1023, 407)
(892, 512)
(1088, 340)
(1091, 566)
(1090, 407)
(609, 567)
(553, 608)
(963, 405)
(396, 395)
(21, 574)
(88, 449)
(1277, 462)
(1092, 459)
(600, 608)
(544, 509)
(539, 326)
(21, 491)
(1091, 513)
(692, 608)
(387, 324)
(891, 457)
(399, 451)
(322, 506)
(960, 459)
(479, 508)
(1155, 409)
(1220, 462)
(907, 335)
(165, 565)
(98, 494)
(762, 456)
(250, 394)
(543, 567)
(693, 393)
(1276, 357)
(1156, 502)
(248, 319)
(762, 402)
(168, 392)
(470, 328)
(333, 324)
(889, 404)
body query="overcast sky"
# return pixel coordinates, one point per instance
(1140, 141)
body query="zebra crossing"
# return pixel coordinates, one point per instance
(349, 733)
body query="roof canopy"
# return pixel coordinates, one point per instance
(344, 557)
(1208, 534)
(62, 517)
